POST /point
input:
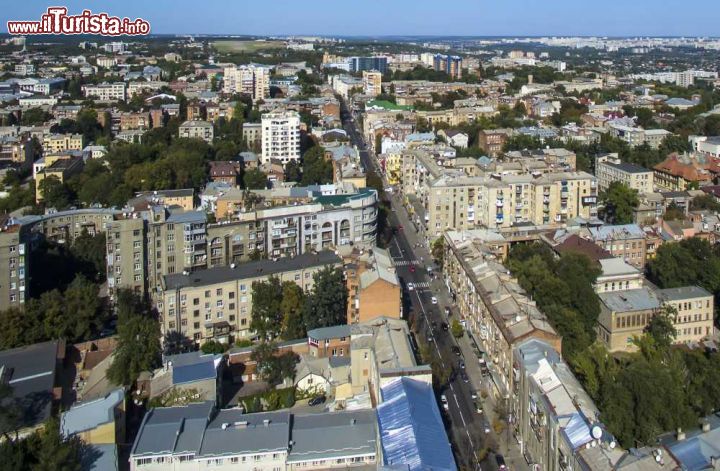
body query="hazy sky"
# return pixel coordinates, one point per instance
(403, 17)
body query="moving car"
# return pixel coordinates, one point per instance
(316, 401)
(444, 402)
(433, 300)
(473, 394)
(448, 312)
(461, 365)
(412, 268)
(410, 286)
(500, 460)
(464, 377)
(486, 426)
(444, 326)
(456, 350)
(477, 407)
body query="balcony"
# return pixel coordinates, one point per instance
(499, 203)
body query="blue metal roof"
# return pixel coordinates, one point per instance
(411, 428)
(196, 372)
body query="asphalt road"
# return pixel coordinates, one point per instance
(465, 426)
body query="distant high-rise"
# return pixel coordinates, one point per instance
(281, 136)
(451, 65)
(247, 79)
(358, 64)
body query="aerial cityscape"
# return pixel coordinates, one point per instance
(364, 236)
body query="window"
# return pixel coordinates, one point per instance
(218, 292)
(208, 316)
(207, 293)
(232, 306)
(220, 315)
(231, 295)
(219, 303)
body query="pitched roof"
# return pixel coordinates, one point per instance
(89, 415)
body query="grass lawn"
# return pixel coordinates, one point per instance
(247, 46)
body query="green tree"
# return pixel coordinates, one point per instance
(326, 305)
(266, 316)
(619, 200)
(10, 413)
(55, 193)
(316, 170)
(35, 117)
(457, 329)
(90, 250)
(293, 171)
(213, 346)
(662, 328)
(291, 308)
(57, 452)
(255, 179)
(438, 251)
(138, 346)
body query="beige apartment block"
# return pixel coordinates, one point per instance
(55, 143)
(14, 267)
(609, 168)
(216, 304)
(372, 82)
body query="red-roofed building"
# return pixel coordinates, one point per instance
(678, 171)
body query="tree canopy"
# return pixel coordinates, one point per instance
(620, 201)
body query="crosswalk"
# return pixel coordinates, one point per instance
(404, 263)
(422, 284)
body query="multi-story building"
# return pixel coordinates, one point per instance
(105, 91)
(183, 198)
(126, 255)
(709, 146)
(329, 341)
(294, 227)
(229, 439)
(491, 141)
(678, 171)
(456, 201)
(252, 133)
(54, 143)
(247, 79)
(556, 421)
(372, 82)
(215, 304)
(609, 168)
(626, 314)
(451, 65)
(197, 130)
(491, 304)
(358, 64)
(627, 241)
(281, 136)
(14, 272)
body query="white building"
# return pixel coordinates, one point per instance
(281, 136)
(105, 91)
(706, 145)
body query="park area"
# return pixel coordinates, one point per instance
(247, 46)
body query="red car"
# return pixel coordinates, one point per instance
(400, 228)
(412, 268)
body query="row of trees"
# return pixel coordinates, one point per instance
(284, 310)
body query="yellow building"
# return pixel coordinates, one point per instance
(54, 143)
(60, 168)
(372, 82)
(393, 167)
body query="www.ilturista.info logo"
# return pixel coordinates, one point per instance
(57, 21)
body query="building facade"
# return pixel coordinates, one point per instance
(281, 136)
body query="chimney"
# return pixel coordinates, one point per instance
(530, 79)
(680, 435)
(705, 426)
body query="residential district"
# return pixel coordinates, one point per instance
(315, 253)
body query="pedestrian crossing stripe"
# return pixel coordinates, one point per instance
(422, 284)
(404, 263)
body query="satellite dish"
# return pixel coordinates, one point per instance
(596, 432)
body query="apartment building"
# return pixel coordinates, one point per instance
(372, 82)
(197, 130)
(617, 275)
(451, 65)
(203, 437)
(252, 133)
(491, 141)
(329, 341)
(379, 63)
(215, 304)
(55, 143)
(296, 227)
(455, 201)
(247, 79)
(373, 286)
(14, 272)
(281, 136)
(678, 171)
(625, 314)
(557, 423)
(105, 91)
(627, 242)
(126, 255)
(636, 136)
(709, 146)
(609, 168)
(183, 198)
(492, 306)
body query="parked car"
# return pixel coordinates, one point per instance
(486, 426)
(456, 350)
(464, 377)
(448, 312)
(461, 365)
(477, 407)
(412, 268)
(500, 460)
(444, 326)
(444, 401)
(433, 300)
(410, 287)
(316, 401)
(473, 394)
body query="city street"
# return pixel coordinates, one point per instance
(467, 428)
